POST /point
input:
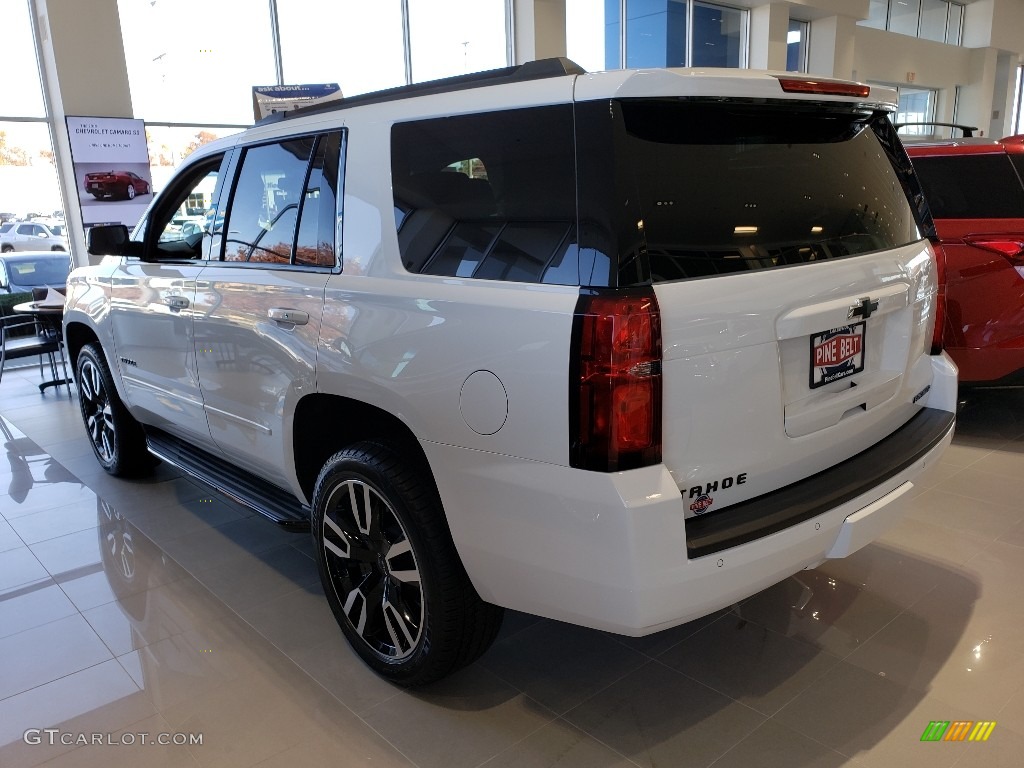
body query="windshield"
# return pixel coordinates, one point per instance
(30, 273)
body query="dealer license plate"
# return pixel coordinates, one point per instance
(836, 354)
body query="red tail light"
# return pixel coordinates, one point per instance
(824, 87)
(1010, 247)
(940, 298)
(615, 381)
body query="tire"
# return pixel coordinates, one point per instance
(97, 195)
(7, 249)
(117, 438)
(390, 569)
(130, 192)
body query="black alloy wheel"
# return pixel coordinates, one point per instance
(116, 437)
(373, 569)
(390, 569)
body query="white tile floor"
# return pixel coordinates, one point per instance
(156, 606)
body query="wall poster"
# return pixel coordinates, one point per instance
(112, 175)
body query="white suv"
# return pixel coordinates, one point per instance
(33, 236)
(617, 349)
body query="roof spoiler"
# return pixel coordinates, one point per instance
(967, 129)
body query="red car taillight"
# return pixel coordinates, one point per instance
(615, 381)
(940, 298)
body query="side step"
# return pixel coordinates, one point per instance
(244, 487)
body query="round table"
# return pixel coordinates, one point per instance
(51, 314)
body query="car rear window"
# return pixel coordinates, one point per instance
(971, 186)
(700, 188)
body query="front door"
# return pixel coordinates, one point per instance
(153, 313)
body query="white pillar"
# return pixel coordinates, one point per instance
(538, 29)
(832, 43)
(83, 73)
(769, 27)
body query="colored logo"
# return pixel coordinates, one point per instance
(700, 506)
(958, 730)
(837, 350)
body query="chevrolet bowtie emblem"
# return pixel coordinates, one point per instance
(863, 308)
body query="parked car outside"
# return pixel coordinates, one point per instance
(33, 236)
(21, 272)
(115, 184)
(974, 190)
(452, 330)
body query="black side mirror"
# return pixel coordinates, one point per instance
(112, 240)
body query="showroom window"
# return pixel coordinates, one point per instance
(28, 175)
(455, 37)
(1018, 103)
(193, 72)
(939, 20)
(670, 33)
(796, 46)
(412, 41)
(916, 105)
(336, 47)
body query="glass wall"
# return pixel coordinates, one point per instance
(939, 20)
(337, 47)
(193, 82)
(916, 105)
(903, 16)
(674, 33)
(454, 37)
(28, 174)
(796, 46)
(585, 29)
(719, 36)
(192, 72)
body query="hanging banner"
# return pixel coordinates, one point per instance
(112, 175)
(270, 99)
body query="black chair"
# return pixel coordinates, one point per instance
(23, 336)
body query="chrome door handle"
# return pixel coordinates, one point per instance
(293, 316)
(178, 302)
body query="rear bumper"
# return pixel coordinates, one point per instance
(610, 551)
(816, 495)
(1001, 365)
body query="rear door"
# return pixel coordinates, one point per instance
(794, 286)
(259, 308)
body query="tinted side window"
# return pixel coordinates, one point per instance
(317, 222)
(488, 196)
(970, 186)
(265, 205)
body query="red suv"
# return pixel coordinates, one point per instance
(973, 187)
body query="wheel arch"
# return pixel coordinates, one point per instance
(324, 424)
(76, 336)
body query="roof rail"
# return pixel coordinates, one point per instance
(967, 129)
(531, 70)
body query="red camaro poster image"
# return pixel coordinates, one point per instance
(115, 185)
